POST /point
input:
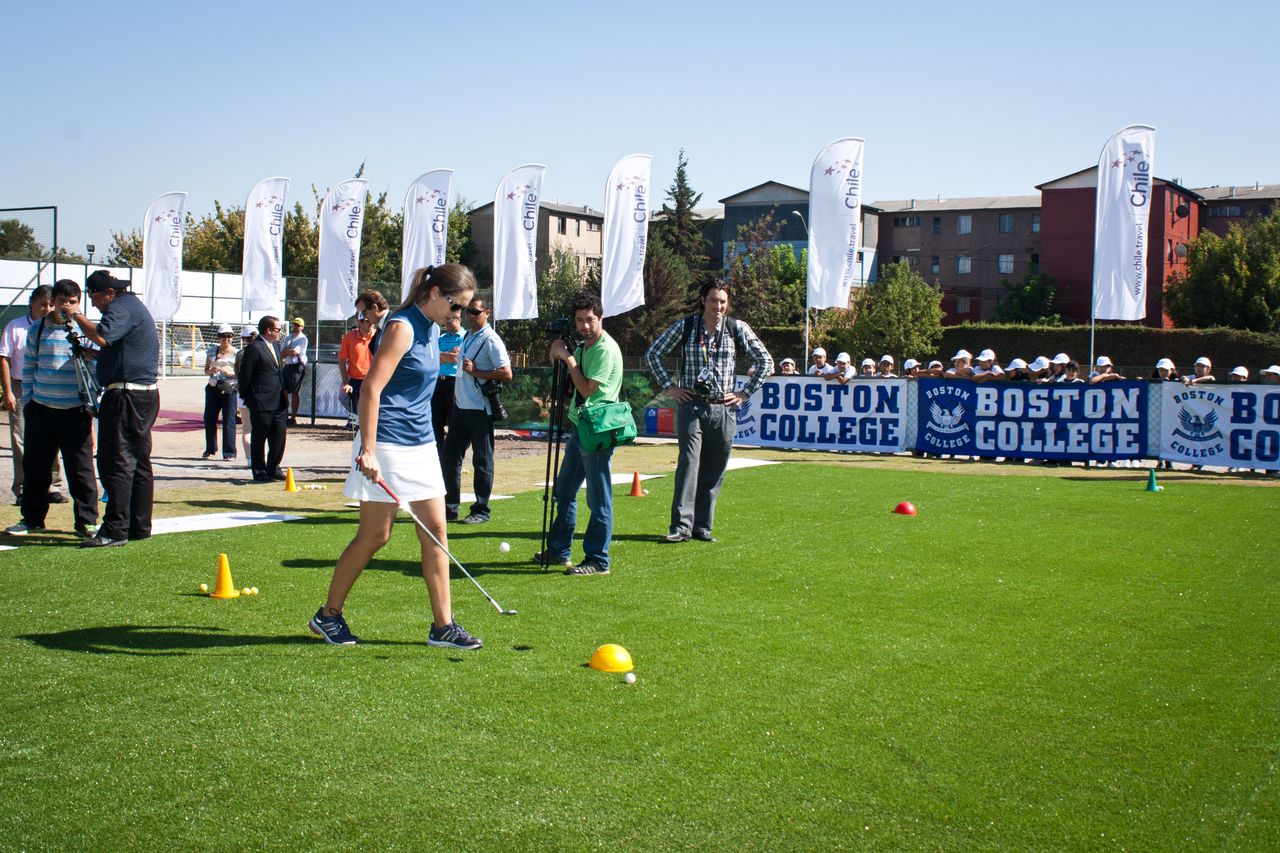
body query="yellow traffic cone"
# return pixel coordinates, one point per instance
(289, 484)
(225, 587)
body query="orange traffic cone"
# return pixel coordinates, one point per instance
(636, 491)
(225, 587)
(289, 484)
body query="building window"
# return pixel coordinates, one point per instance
(1035, 263)
(962, 305)
(577, 224)
(912, 261)
(1035, 223)
(935, 265)
(906, 222)
(1006, 264)
(562, 225)
(964, 264)
(1225, 210)
(593, 226)
(964, 224)
(1006, 223)
(937, 225)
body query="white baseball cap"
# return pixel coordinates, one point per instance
(866, 362)
(844, 356)
(1165, 364)
(910, 364)
(1205, 361)
(225, 329)
(987, 355)
(1016, 364)
(1275, 368)
(964, 353)
(887, 358)
(1060, 358)
(819, 351)
(1041, 363)
(248, 331)
(1103, 361)
(790, 361)
(1241, 370)
(934, 363)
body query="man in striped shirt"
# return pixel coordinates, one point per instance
(706, 420)
(57, 420)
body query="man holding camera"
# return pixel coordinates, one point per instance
(59, 420)
(13, 345)
(484, 365)
(127, 368)
(706, 421)
(595, 368)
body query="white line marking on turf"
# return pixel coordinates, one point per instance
(217, 521)
(736, 462)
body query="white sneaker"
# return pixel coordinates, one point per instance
(21, 529)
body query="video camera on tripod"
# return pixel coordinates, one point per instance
(90, 391)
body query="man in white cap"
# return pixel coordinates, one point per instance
(886, 368)
(787, 367)
(987, 368)
(1271, 375)
(960, 368)
(820, 368)
(1201, 374)
(843, 370)
(1103, 371)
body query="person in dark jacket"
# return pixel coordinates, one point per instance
(263, 391)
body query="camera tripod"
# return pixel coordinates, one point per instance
(555, 438)
(90, 392)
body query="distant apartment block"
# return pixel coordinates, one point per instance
(577, 228)
(1227, 206)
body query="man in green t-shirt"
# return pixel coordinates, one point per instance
(595, 368)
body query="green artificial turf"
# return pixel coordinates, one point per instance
(1029, 663)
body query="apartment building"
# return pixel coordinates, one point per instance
(1227, 206)
(577, 228)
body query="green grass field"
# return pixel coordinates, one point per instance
(1030, 663)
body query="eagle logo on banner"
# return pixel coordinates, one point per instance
(1197, 428)
(946, 422)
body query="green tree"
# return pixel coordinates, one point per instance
(460, 249)
(667, 283)
(1231, 281)
(680, 228)
(18, 241)
(381, 241)
(899, 314)
(766, 278)
(1030, 301)
(125, 249)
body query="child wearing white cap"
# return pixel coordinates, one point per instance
(868, 368)
(886, 368)
(820, 368)
(987, 368)
(1201, 374)
(843, 370)
(960, 368)
(1103, 371)
(1164, 371)
(787, 367)
(1058, 366)
(1271, 375)
(1239, 373)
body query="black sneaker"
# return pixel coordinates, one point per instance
(676, 536)
(587, 567)
(332, 629)
(100, 541)
(476, 518)
(57, 498)
(544, 559)
(453, 636)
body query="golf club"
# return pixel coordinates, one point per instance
(404, 505)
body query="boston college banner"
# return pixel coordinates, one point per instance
(626, 230)
(426, 224)
(515, 243)
(264, 213)
(1233, 425)
(1121, 238)
(341, 221)
(162, 233)
(835, 209)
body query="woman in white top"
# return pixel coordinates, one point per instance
(220, 395)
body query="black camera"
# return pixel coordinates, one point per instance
(704, 387)
(492, 390)
(561, 327)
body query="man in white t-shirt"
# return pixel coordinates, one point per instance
(12, 345)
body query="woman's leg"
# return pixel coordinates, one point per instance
(245, 433)
(374, 531)
(212, 405)
(435, 563)
(228, 425)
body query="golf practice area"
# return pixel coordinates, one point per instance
(1036, 660)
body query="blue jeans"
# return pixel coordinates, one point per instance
(577, 465)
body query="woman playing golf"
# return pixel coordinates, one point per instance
(397, 446)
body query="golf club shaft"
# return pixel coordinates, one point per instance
(404, 505)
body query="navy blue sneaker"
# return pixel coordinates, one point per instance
(453, 636)
(332, 629)
(587, 567)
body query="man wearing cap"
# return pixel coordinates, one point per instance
(987, 368)
(886, 368)
(130, 352)
(820, 368)
(1103, 371)
(12, 348)
(1201, 372)
(960, 368)
(263, 390)
(450, 344)
(787, 367)
(293, 358)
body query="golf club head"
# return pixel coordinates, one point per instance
(508, 612)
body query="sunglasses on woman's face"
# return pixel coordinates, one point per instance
(453, 306)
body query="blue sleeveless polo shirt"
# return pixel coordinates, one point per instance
(404, 412)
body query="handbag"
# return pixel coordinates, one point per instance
(605, 425)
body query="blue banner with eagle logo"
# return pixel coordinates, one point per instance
(1233, 425)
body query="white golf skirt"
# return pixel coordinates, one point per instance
(412, 472)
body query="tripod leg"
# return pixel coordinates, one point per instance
(554, 414)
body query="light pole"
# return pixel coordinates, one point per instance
(798, 215)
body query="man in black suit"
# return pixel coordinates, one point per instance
(263, 392)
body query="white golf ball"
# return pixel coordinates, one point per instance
(505, 547)
(629, 678)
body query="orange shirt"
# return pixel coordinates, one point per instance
(355, 352)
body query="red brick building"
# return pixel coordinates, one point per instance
(1227, 206)
(1067, 210)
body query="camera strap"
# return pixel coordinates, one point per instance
(39, 332)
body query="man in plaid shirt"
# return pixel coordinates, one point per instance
(706, 421)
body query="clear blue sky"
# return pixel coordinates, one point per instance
(108, 105)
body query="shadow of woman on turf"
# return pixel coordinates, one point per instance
(167, 640)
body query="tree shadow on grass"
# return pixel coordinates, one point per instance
(413, 568)
(164, 640)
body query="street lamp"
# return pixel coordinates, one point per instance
(89, 247)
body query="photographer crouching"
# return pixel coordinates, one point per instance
(484, 365)
(130, 353)
(595, 368)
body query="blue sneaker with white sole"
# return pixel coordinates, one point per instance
(332, 629)
(453, 636)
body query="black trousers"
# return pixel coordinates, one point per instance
(125, 420)
(472, 427)
(50, 432)
(441, 408)
(267, 438)
(219, 403)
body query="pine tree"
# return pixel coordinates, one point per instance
(678, 226)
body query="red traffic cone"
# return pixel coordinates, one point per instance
(636, 491)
